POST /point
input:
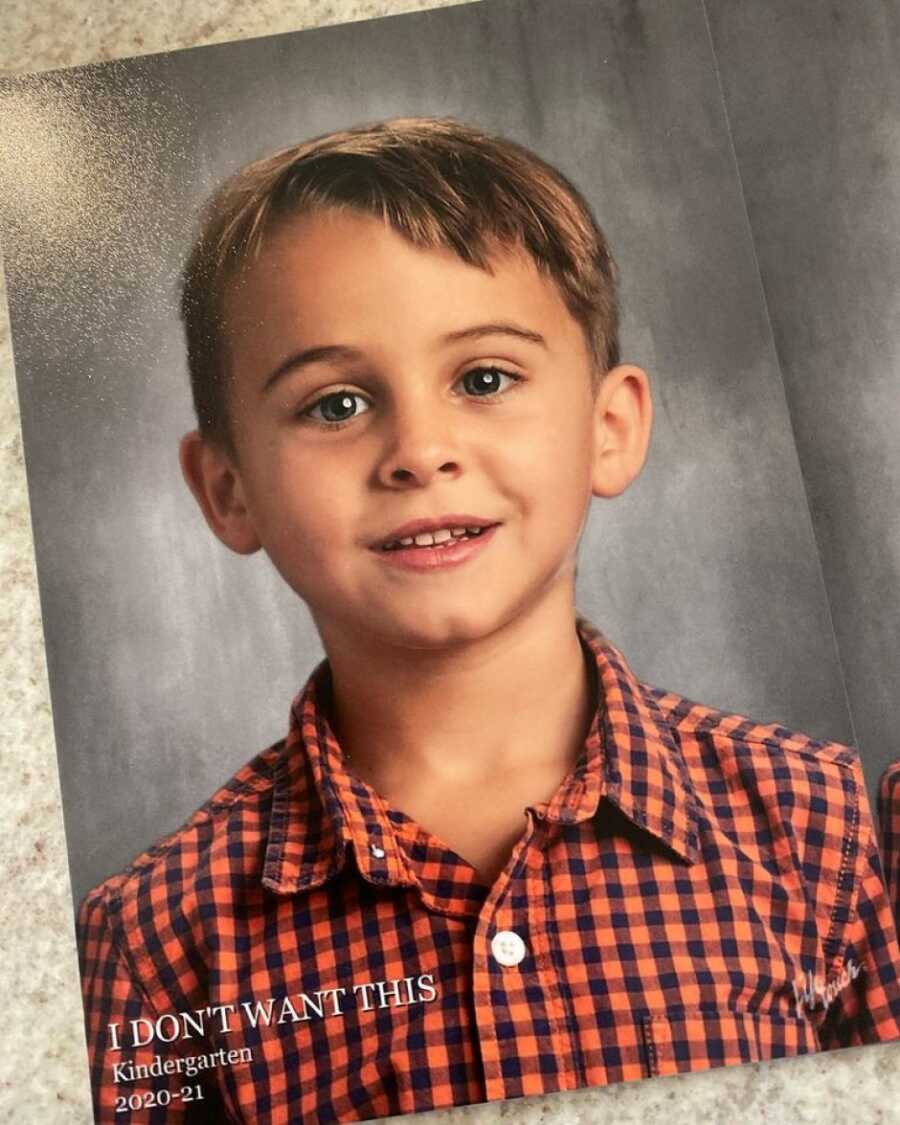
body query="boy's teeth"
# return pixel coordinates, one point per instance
(433, 538)
(430, 538)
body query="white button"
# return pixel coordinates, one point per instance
(376, 851)
(508, 948)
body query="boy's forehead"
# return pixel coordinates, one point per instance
(345, 272)
(327, 242)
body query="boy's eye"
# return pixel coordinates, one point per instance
(481, 381)
(338, 406)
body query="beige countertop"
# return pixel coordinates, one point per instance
(43, 1074)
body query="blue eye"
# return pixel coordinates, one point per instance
(483, 381)
(337, 407)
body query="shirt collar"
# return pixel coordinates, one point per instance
(643, 769)
(321, 812)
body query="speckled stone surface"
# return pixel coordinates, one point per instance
(43, 1073)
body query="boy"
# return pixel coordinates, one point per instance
(486, 861)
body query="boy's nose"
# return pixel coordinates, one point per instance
(419, 449)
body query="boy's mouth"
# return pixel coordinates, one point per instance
(434, 534)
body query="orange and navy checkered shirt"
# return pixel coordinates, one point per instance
(889, 834)
(700, 891)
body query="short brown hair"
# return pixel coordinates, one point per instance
(438, 183)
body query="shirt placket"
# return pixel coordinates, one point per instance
(520, 1006)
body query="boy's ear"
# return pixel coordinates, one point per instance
(623, 418)
(217, 488)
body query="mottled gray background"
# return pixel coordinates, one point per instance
(172, 661)
(813, 96)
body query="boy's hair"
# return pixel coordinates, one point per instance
(438, 183)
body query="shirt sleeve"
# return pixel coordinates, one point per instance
(864, 1000)
(112, 999)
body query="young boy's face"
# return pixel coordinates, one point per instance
(374, 385)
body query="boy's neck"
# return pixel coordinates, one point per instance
(521, 699)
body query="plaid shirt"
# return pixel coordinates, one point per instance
(700, 891)
(889, 821)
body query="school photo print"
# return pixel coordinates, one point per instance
(722, 570)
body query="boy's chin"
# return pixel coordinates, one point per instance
(442, 631)
(433, 629)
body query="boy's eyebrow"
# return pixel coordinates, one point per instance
(501, 328)
(327, 352)
(308, 356)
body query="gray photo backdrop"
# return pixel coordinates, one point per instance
(813, 97)
(172, 661)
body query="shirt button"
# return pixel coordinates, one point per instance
(377, 852)
(507, 947)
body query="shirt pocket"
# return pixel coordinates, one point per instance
(699, 1039)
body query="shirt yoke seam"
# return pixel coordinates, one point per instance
(835, 753)
(678, 717)
(832, 753)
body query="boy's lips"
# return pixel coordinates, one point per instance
(435, 544)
